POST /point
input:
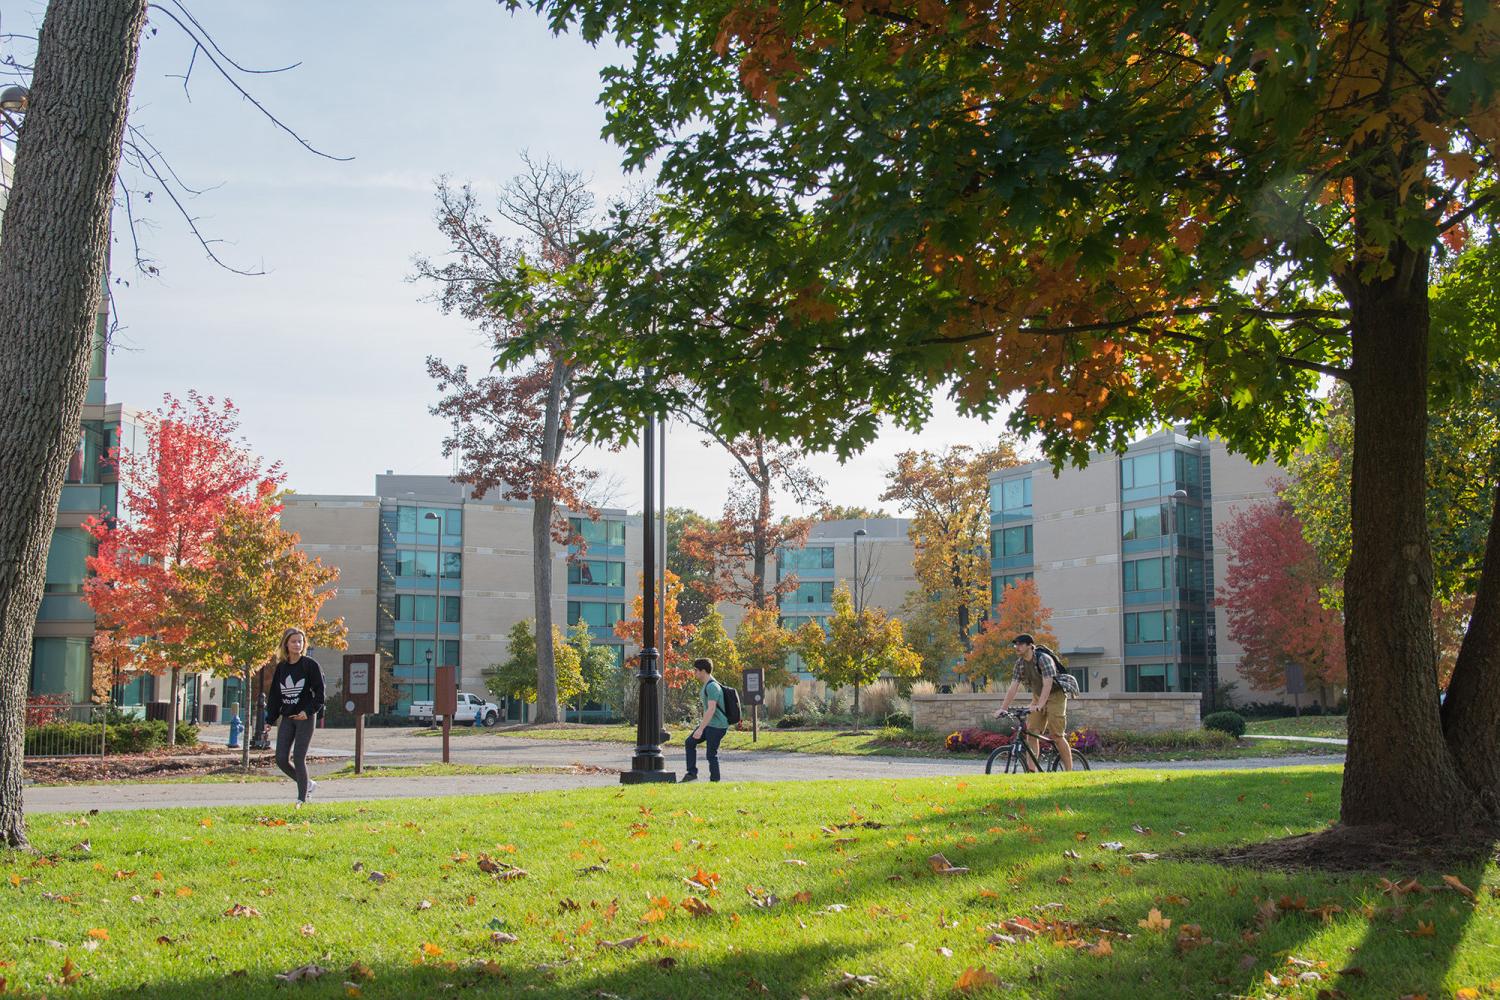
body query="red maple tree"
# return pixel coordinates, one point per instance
(1271, 596)
(1020, 609)
(741, 545)
(172, 497)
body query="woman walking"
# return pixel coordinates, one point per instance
(295, 699)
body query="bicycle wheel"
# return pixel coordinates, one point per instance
(995, 754)
(1080, 762)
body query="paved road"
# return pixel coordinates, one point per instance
(401, 746)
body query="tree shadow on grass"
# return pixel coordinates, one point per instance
(649, 971)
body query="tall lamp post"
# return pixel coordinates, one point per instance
(437, 608)
(1173, 579)
(858, 604)
(648, 765)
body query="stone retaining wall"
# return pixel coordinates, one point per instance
(1149, 712)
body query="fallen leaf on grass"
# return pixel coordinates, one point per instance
(666, 962)
(629, 942)
(500, 937)
(1457, 885)
(794, 861)
(1102, 950)
(241, 910)
(378, 878)
(99, 933)
(1074, 855)
(1111, 845)
(849, 982)
(1154, 921)
(1423, 929)
(430, 950)
(311, 970)
(697, 907)
(360, 972)
(972, 979)
(942, 866)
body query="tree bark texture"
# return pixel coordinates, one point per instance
(53, 250)
(553, 431)
(1471, 722)
(1399, 770)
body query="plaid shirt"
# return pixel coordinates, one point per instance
(1045, 665)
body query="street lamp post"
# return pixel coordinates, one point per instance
(858, 604)
(648, 765)
(437, 609)
(1172, 580)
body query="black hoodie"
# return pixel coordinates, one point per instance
(296, 687)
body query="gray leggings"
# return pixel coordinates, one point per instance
(292, 738)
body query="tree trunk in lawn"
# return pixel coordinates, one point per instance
(53, 251)
(1471, 713)
(541, 544)
(1399, 768)
(172, 706)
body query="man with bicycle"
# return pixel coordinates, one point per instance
(1037, 669)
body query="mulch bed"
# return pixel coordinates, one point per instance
(1362, 849)
(167, 762)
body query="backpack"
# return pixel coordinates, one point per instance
(1065, 680)
(731, 704)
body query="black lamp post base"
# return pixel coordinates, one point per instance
(646, 768)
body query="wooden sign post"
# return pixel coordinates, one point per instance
(445, 702)
(361, 696)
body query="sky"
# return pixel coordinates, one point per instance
(324, 353)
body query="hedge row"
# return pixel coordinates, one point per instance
(122, 737)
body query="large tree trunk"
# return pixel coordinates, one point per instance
(1471, 713)
(553, 432)
(52, 258)
(1399, 769)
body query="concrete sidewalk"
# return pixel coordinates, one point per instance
(758, 765)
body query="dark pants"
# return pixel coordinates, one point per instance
(712, 735)
(292, 738)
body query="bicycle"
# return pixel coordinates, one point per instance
(1017, 751)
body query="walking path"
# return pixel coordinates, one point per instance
(393, 746)
(1299, 739)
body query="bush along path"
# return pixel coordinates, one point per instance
(931, 888)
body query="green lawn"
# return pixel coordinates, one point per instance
(885, 742)
(1335, 726)
(390, 897)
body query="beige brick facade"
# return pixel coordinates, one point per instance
(1154, 712)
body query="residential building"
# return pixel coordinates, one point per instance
(1126, 553)
(433, 577)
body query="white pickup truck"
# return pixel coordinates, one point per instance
(471, 709)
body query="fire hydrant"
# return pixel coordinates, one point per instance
(236, 725)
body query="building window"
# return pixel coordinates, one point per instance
(1009, 542)
(1149, 677)
(453, 565)
(419, 607)
(414, 520)
(597, 614)
(91, 459)
(808, 560)
(410, 562)
(810, 592)
(794, 622)
(1148, 626)
(413, 652)
(1143, 522)
(66, 560)
(1011, 496)
(596, 572)
(600, 532)
(1146, 574)
(61, 666)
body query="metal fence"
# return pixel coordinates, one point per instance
(66, 730)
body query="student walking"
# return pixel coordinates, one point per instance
(292, 706)
(712, 727)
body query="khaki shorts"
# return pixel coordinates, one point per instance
(1052, 719)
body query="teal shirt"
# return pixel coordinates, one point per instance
(713, 692)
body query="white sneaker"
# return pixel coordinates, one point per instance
(311, 785)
